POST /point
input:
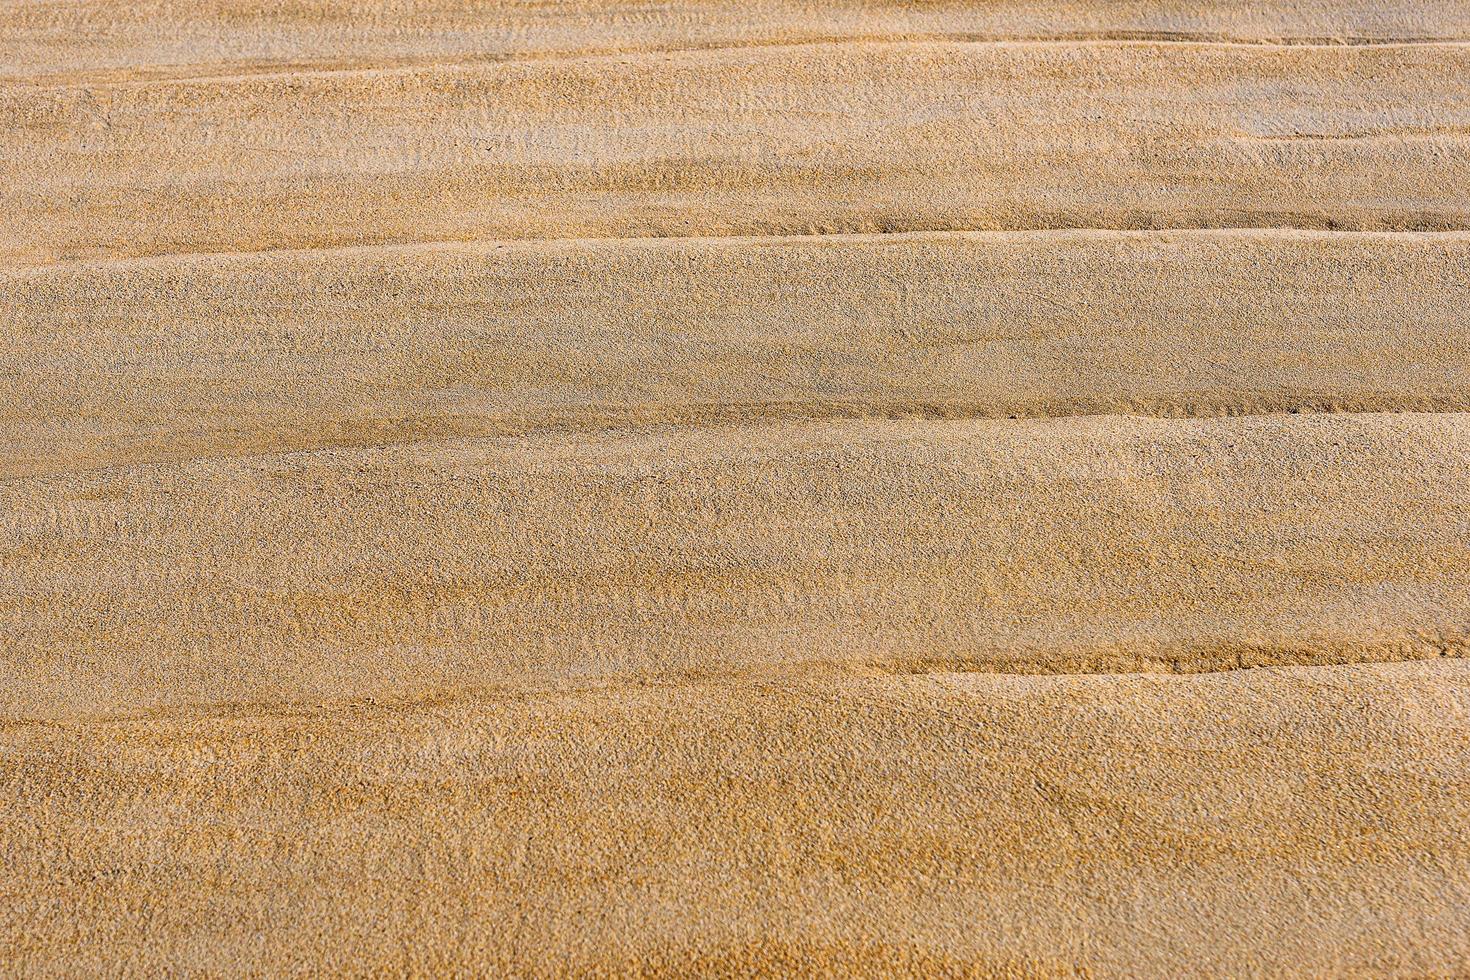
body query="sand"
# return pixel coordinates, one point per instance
(1284, 820)
(714, 488)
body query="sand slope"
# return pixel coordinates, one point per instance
(722, 488)
(1306, 820)
(174, 357)
(172, 38)
(1066, 545)
(765, 140)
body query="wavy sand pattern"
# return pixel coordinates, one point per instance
(718, 488)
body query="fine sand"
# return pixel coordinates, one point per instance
(735, 488)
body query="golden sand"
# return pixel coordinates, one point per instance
(735, 488)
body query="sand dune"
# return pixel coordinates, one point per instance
(735, 488)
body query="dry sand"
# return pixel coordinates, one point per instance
(1284, 820)
(735, 488)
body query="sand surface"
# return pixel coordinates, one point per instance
(734, 488)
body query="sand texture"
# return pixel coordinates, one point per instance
(719, 488)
